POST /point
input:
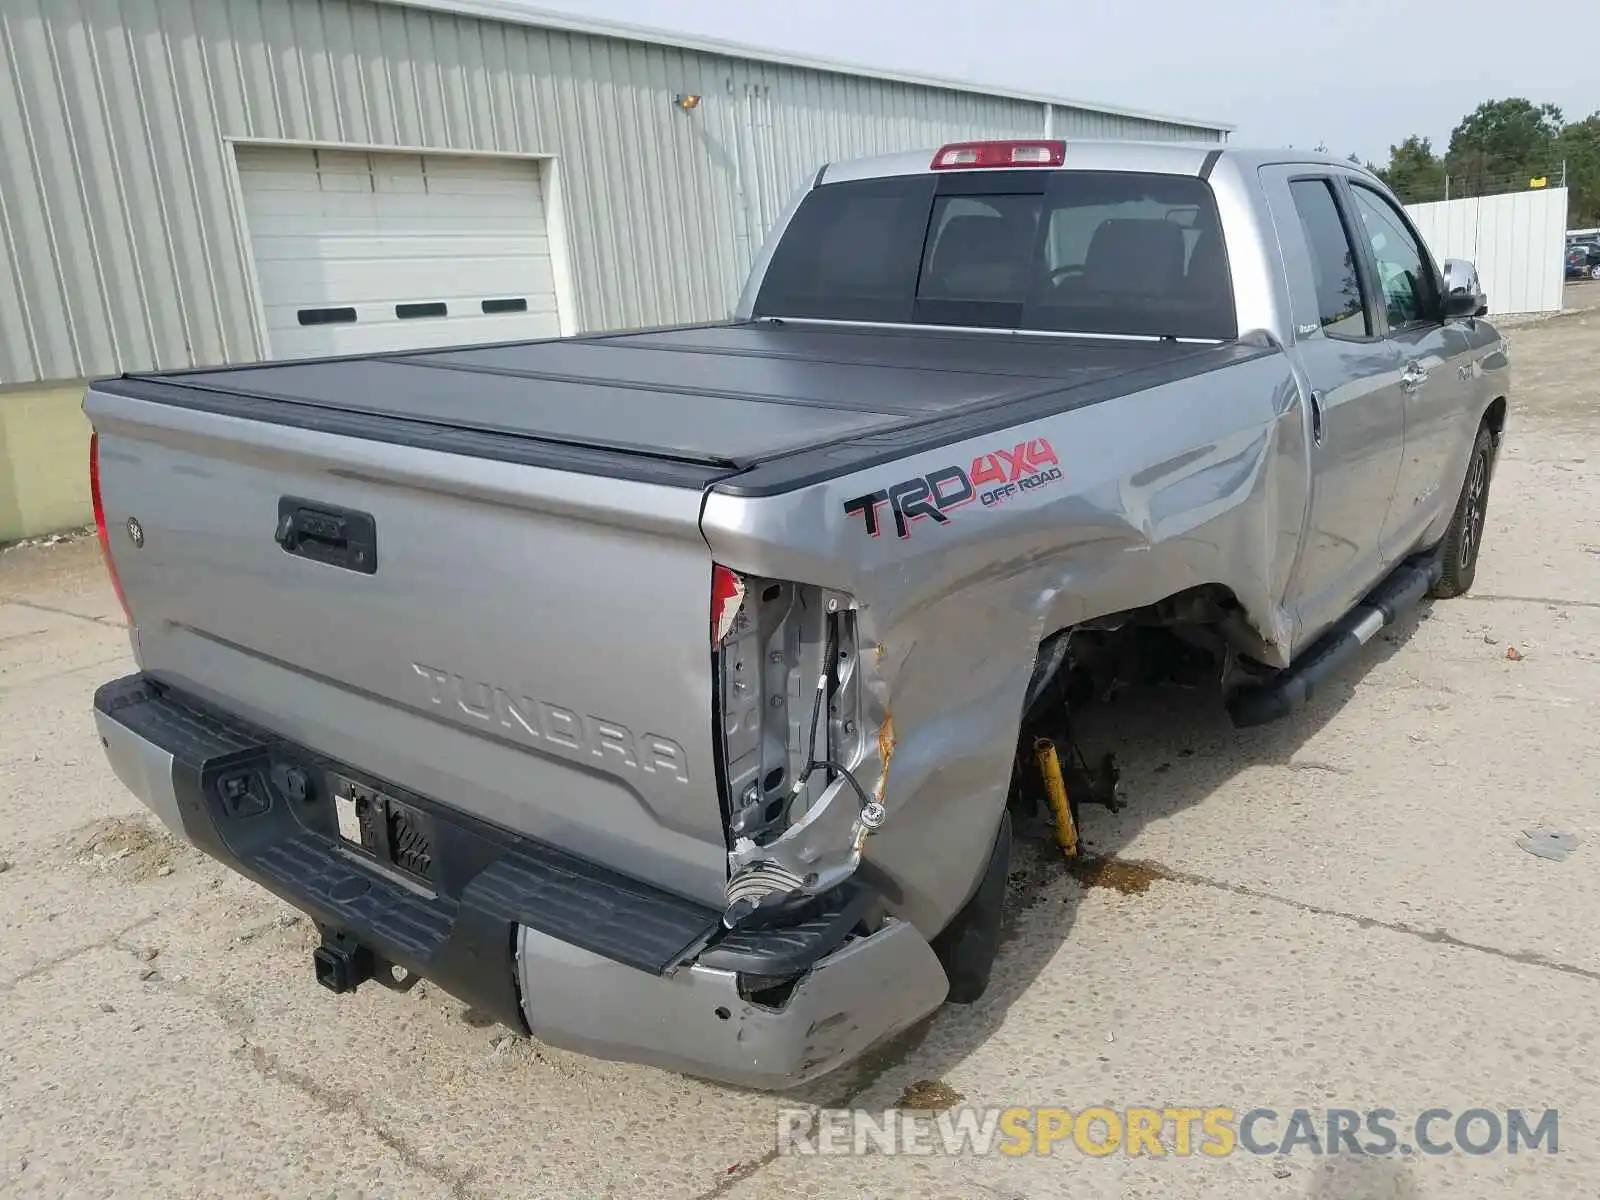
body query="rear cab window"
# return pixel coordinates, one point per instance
(1094, 252)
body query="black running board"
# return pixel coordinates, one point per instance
(1291, 689)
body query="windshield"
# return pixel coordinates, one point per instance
(1078, 251)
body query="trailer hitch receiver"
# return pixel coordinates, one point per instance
(341, 965)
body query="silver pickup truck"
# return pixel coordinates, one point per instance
(671, 694)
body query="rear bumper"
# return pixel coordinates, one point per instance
(581, 956)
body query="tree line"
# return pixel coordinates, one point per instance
(1502, 146)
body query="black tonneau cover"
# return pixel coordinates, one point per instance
(735, 404)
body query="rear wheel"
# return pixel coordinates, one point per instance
(1594, 271)
(1464, 538)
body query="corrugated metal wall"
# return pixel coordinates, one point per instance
(1517, 241)
(120, 245)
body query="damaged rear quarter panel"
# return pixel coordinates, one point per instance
(1203, 480)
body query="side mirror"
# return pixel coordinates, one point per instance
(1463, 294)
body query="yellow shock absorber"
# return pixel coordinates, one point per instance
(1056, 788)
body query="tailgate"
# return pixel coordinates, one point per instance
(529, 645)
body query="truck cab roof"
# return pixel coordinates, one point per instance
(1164, 158)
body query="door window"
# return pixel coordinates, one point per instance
(1405, 274)
(1341, 308)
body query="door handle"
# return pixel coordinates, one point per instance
(1413, 377)
(1316, 416)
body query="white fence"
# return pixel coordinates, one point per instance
(1516, 240)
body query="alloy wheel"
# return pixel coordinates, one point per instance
(1477, 505)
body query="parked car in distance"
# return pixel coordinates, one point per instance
(670, 695)
(1583, 260)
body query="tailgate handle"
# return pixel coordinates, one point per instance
(339, 537)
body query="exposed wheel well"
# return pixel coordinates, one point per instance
(1195, 638)
(1495, 417)
(1169, 635)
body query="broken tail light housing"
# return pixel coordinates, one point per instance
(727, 598)
(1031, 152)
(100, 523)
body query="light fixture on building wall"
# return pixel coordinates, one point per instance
(688, 101)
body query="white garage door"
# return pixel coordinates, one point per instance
(359, 252)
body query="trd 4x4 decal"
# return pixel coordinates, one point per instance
(992, 479)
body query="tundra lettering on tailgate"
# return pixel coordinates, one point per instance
(561, 729)
(992, 479)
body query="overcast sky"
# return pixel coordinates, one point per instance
(1356, 74)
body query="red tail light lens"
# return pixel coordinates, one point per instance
(727, 598)
(958, 156)
(100, 523)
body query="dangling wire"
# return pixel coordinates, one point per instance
(814, 764)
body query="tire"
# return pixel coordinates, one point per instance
(1464, 539)
(1594, 271)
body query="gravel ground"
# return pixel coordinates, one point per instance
(1333, 912)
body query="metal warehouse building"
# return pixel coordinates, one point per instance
(193, 182)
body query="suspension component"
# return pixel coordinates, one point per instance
(1055, 787)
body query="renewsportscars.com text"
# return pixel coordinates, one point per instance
(1210, 1132)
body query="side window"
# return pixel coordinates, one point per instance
(1410, 292)
(1340, 306)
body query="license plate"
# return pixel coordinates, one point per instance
(349, 815)
(394, 832)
